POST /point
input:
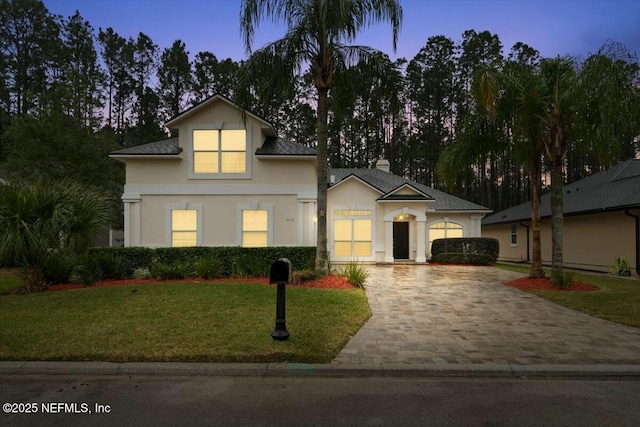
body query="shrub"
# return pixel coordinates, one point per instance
(301, 257)
(142, 273)
(88, 270)
(57, 268)
(130, 257)
(251, 266)
(172, 271)
(467, 246)
(459, 258)
(356, 274)
(562, 280)
(620, 267)
(209, 268)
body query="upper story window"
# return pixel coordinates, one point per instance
(219, 151)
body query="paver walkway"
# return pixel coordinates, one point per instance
(465, 315)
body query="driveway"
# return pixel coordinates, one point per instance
(465, 315)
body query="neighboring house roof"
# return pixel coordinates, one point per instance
(614, 189)
(281, 147)
(387, 183)
(167, 147)
(268, 128)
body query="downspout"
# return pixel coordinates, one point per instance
(626, 212)
(527, 227)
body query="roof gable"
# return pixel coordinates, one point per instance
(386, 183)
(406, 192)
(173, 123)
(353, 177)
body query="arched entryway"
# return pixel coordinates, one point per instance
(404, 235)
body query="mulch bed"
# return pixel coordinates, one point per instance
(526, 283)
(329, 282)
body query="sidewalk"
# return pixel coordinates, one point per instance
(628, 372)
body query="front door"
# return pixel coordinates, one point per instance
(401, 240)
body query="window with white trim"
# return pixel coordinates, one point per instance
(184, 227)
(255, 228)
(219, 151)
(352, 234)
(514, 234)
(444, 230)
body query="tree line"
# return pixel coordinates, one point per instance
(70, 94)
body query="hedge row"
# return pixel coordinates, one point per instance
(234, 260)
(458, 258)
(468, 246)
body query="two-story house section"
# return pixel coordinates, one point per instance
(228, 180)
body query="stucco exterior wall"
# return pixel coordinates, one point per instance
(355, 195)
(153, 184)
(591, 241)
(221, 218)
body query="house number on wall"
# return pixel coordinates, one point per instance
(291, 219)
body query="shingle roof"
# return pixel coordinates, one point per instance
(158, 148)
(281, 147)
(613, 189)
(387, 182)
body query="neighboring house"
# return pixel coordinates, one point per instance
(228, 180)
(601, 222)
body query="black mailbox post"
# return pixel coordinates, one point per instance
(280, 274)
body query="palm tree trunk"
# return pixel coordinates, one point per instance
(322, 260)
(556, 222)
(536, 250)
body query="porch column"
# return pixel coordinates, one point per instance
(476, 226)
(388, 240)
(127, 223)
(421, 254)
(131, 219)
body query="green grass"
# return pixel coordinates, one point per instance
(204, 322)
(9, 280)
(617, 299)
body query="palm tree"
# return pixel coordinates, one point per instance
(589, 106)
(515, 96)
(512, 97)
(45, 219)
(317, 35)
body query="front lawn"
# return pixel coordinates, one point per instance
(203, 322)
(617, 299)
(9, 280)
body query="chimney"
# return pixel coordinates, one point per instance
(383, 165)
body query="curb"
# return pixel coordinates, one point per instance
(626, 372)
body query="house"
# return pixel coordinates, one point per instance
(601, 222)
(228, 180)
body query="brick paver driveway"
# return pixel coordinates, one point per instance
(465, 315)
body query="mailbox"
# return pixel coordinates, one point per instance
(280, 274)
(280, 271)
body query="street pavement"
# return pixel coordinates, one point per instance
(133, 400)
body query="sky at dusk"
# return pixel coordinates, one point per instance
(554, 27)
